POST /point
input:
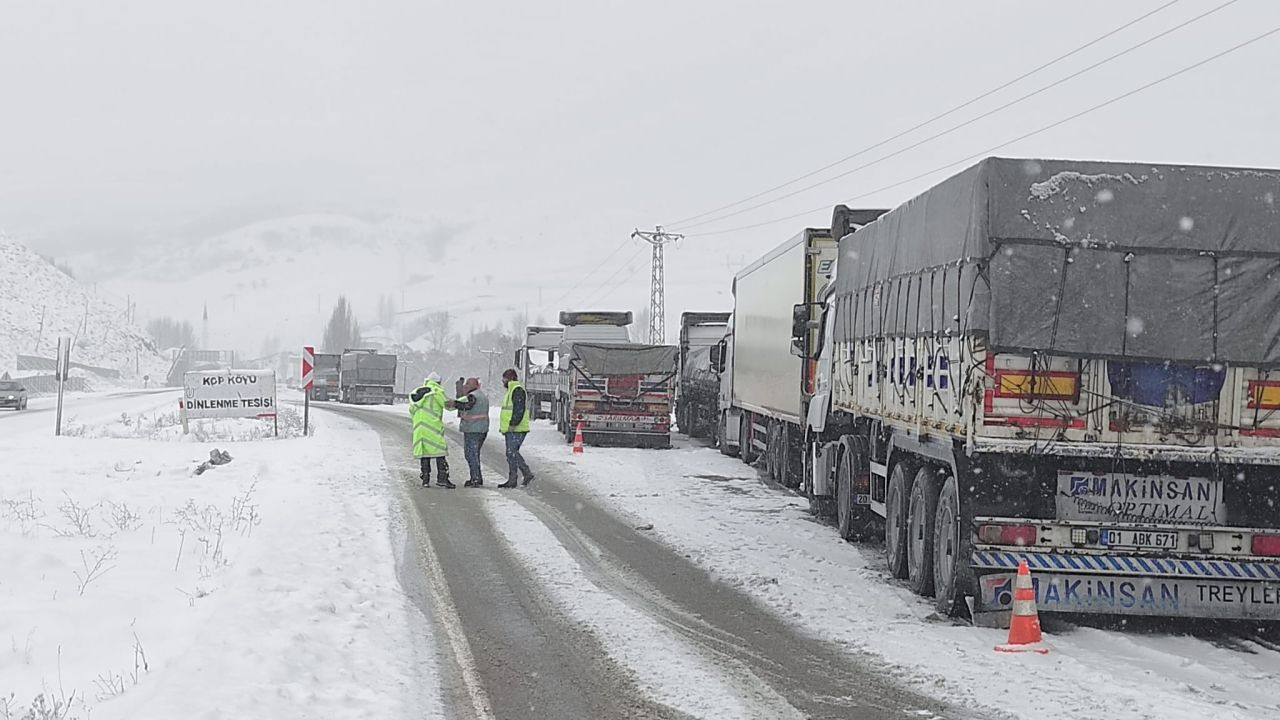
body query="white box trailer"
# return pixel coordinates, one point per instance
(1071, 364)
(765, 384)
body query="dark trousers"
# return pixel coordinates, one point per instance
(442, 469)
(515, 461)
(471, 444)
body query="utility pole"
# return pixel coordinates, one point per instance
(491, 355)
(658, 238)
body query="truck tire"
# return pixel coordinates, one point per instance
(950, 553)
(922, 508)
(771, 443)
(852, 520)
(722, 439)
(845, 509)
(746, 448)
(895, 520)
(789, 474)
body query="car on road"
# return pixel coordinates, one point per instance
(12, 395)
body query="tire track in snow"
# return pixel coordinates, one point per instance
(674, 670)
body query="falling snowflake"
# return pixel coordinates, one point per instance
(1186, 224)
(1104, 196)
(1135, 325)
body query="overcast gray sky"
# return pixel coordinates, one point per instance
(568, 123)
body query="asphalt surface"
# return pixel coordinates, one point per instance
(509, 653)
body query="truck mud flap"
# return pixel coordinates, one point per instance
(1129, 595)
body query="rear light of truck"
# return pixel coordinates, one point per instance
(1266, 545)
(1047, 385)
(1020, 535)
(1264, 395)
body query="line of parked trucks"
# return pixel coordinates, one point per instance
(1075, 364)
(358, 377)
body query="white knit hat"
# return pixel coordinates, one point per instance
(433, 377)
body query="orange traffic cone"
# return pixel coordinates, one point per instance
(577, 440)
(1024, 625)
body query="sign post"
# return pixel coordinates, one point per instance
(308, 381)
(61, 368)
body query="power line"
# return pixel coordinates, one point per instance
(933, 119)
(594, 293)
(1020, 138)
(968, 122)
(593, 270)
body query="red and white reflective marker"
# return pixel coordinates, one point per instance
(308, 367)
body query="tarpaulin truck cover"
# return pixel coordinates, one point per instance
(626, 359)
(1096, 259)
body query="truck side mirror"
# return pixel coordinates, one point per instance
(717, 356)
(799, 321)
(802, 322)
(517, 363)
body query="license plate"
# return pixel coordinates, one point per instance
(1138, 539)
(628, 420)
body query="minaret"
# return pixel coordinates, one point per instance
(204, 329)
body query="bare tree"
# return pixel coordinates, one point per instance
(437, 329)
(343, 331)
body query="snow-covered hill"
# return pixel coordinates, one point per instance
(31, 288)
(274, 283)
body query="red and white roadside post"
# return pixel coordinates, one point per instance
(308, 381)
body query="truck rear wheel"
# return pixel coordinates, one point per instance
(771, 452)
(746, 446)
(921, 511)
(895, 520)
(950, 554)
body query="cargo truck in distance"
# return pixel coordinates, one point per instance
(366, 377)
(619, 392)
(536, 360)
(325, 383)
(698, 385)
(1075, 364)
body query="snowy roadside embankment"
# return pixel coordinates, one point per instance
(717, 511)
(264, 587)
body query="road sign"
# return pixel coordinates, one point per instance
(308, 367)
(229, 393)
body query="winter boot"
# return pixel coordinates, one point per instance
(528, 479)
(444, 483)
(509, 483)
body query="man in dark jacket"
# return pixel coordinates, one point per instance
(514, 426)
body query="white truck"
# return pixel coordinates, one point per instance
(536, 359)
(764, 387)
(1072, 364)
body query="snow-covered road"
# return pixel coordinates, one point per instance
(567, 611)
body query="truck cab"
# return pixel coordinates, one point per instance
(536, 359)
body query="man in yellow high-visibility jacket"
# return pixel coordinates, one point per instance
(514, 426)
(426, 407)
